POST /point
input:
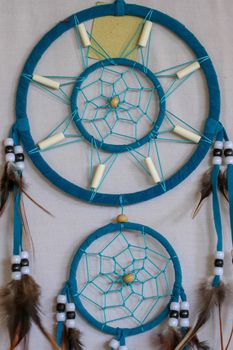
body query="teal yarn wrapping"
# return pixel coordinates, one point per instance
(118, 8)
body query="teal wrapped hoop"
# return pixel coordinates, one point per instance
(118, 8)
(72, 289)
(157, 123)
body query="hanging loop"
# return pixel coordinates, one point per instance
(120, 7)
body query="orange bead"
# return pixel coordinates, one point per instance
(114, 102)
(129, 278)
(122, 218)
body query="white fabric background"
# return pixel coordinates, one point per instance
(22, 24)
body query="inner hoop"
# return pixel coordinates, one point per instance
(133, 65)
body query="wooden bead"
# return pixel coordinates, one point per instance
(188, 70)
(122, 218)
(114, 102)
(46, 82)
(129, 278)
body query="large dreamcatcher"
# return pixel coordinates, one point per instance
(109, 116)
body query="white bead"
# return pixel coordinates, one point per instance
(70, 307)
(20, 166)
(218, 271)
(228, 160)
(25, 270)
(24, 254)
(219, 255)
(61, 316)
(184, 305)
(217, 161)
(16, 259)
(218, 145)
(62, 299)
(16, 275)
(70, 323)
(173, 322)
(10, 157)
(184, 322)
(18, 149)
(9, 142)
(114, 344)
(175, 306)
(123, 347)
(228, 144)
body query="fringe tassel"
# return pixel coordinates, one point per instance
(19, 305)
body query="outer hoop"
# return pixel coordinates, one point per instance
(73, 286)
(119, 8)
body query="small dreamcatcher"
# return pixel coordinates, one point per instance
(125, 279)
(109, 116)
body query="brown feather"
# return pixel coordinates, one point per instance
(210, 297)
(74, 339)
(10, 179)
(168, 339)
(19, 304)
(71, 339)
(206, 189)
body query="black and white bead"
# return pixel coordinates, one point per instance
(61, 308)
(219, 263)
(70, 315)
(9, 150)
(19, 158)
(228, 152)
(184, 314)
(174, 314)
(25, 268)
(217, 153)
(16, 267)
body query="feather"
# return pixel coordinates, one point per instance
(210, 297)
(74, 338)
(10, 179)
(206, 189)
(71, 339)
(168, 339)
(19, 305)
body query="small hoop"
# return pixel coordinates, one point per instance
(177, 291)
(112, 147)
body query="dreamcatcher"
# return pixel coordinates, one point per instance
(121, 121)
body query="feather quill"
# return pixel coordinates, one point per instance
(19, 306)
(210, 298)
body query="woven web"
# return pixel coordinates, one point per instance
(132, 119)
(101, 285)
(136, 110)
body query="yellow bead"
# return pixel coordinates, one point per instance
(114, 102)
(122, 218)
(129, 278)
